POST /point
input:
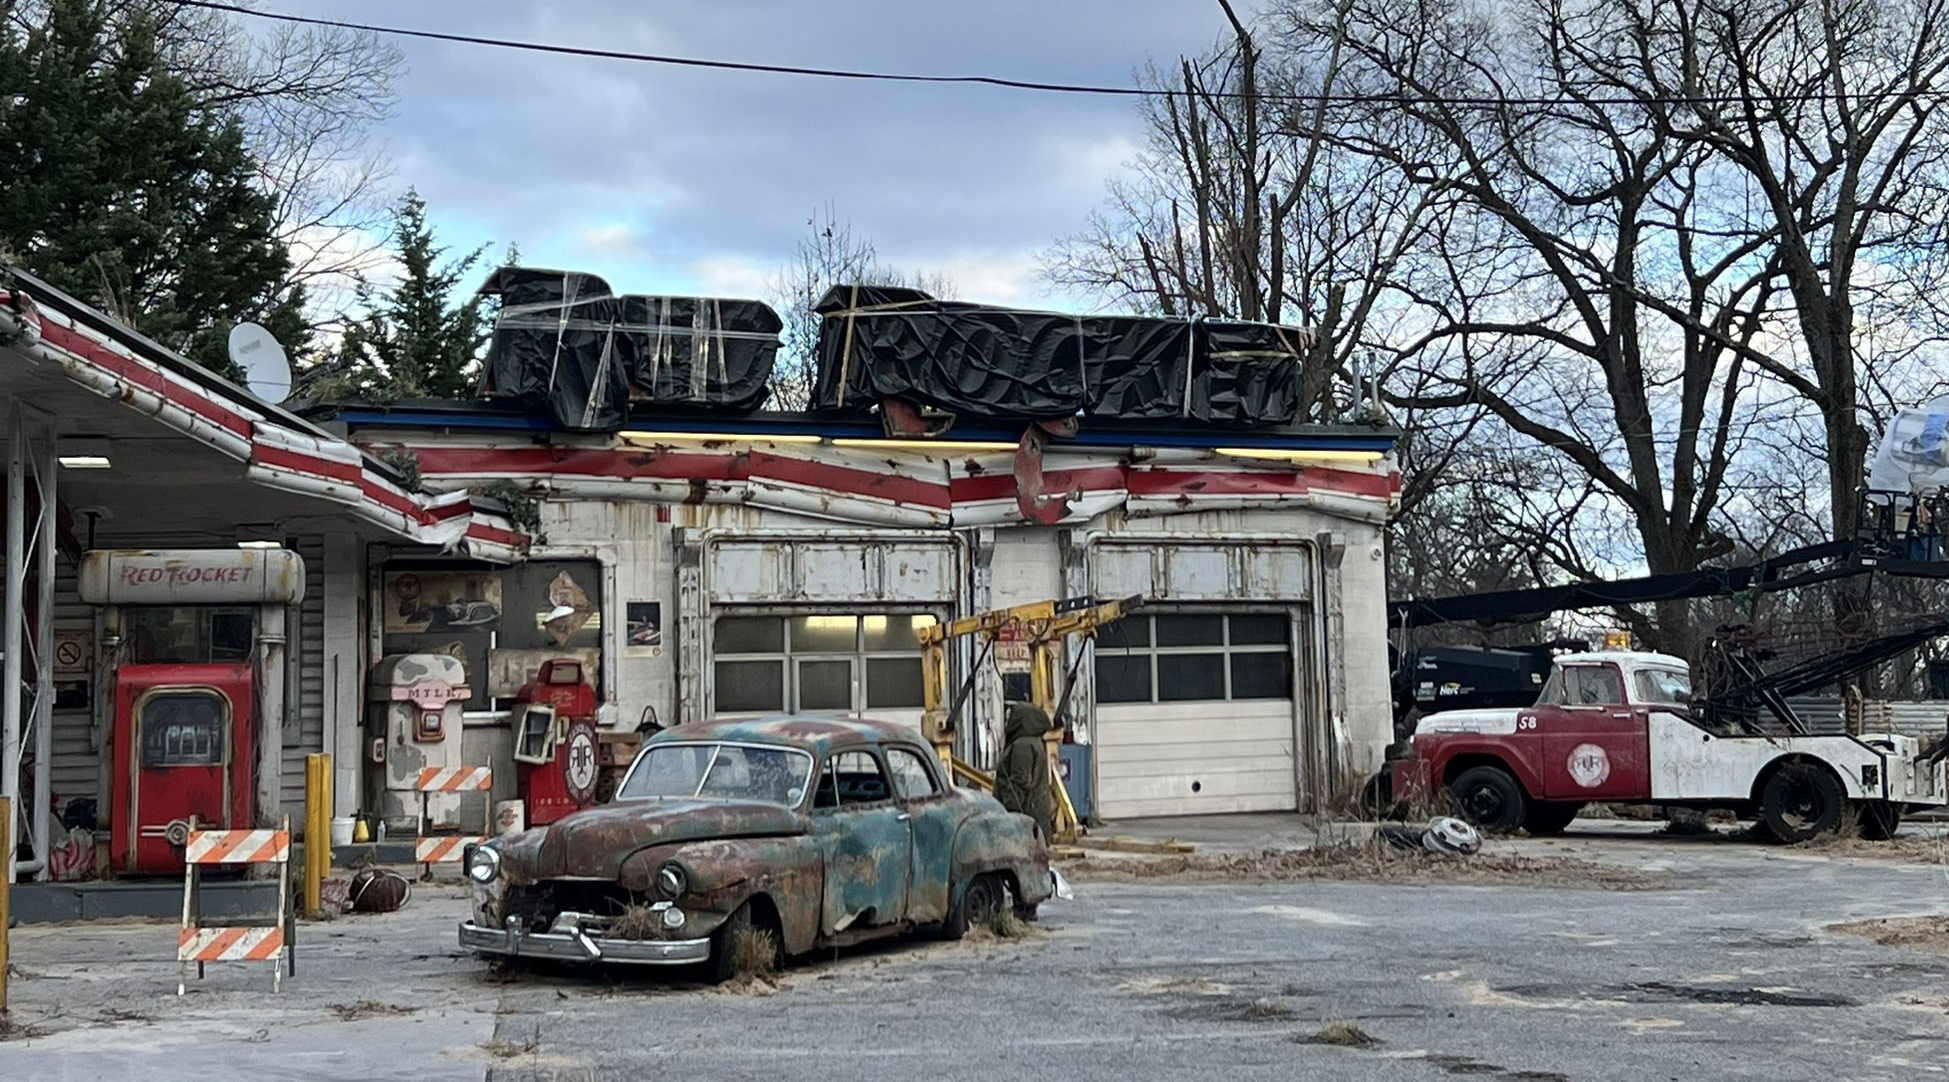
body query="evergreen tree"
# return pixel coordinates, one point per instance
(117, 187)
(417, 340)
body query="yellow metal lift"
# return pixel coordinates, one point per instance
(1046, 627)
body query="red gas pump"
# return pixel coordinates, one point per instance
(555, 746)
(183, 747)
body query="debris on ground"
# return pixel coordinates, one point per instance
(1121, 844)
(501, 1048)
(369, 1008)
(1341, 1034)
(1929, 933)
(637, 921)
(1908, 848)
(1369, 859)
(376, 890)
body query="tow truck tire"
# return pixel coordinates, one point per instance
(1490, 798)
(1801, 801)
(1878, 820)
(1550, 817)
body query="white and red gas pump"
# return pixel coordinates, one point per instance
(416, 703)
(555, 750)
(194, 666)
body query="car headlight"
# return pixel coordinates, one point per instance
(483, 865)
(671, 880)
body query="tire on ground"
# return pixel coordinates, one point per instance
(1490, 798)
(1878, 820)
(1800, 801)
(1550, 817)
(980, 900)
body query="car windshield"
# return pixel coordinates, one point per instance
(719, 772)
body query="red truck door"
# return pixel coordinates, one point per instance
(1594, 741)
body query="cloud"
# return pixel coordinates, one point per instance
(691, 180)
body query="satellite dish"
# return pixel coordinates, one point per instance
(266, 371)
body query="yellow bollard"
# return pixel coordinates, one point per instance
(318, 830)
(6, 883)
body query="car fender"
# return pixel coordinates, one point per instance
(726, 873)
(1001, 842)
(1511, 753)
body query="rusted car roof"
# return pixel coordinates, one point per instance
(817, 734)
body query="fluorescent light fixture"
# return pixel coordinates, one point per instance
(945, 446)
(1302, 457)
(715, 437)
(84, 462)
(260, 544)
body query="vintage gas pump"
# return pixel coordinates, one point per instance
(193, 667)
(415, 705)
(555, 741)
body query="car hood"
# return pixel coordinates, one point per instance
(1491, 720)
(593, 843)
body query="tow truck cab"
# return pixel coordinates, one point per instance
(1615, 727)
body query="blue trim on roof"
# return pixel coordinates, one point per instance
(760, 425)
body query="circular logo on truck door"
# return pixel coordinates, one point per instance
(1589, 766)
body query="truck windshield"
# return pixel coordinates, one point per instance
(719, 772)
(1664, 686)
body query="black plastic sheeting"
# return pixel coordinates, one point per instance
(879, 342)
(564, 340)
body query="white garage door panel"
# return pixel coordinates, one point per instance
(837, 572)
(1240, 755)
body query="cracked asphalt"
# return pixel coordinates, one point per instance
(1733, 973)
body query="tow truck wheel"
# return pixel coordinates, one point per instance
(1490, 798)
(1878, 820)
(1550, 817)
(1801, 801)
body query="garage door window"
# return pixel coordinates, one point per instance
(1201, 657)
(772, 664)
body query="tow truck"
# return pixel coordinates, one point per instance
(1623, 727)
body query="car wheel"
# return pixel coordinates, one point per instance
(981, 899)
(1801, 801)
(741, 947)
(1490, 798)
(1550, 817)
(1878, 820)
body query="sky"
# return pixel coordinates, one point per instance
(679, 180)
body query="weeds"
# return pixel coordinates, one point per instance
(754, 953)
(1006, 925)
(502, 1048)
(368, 1008)
(1341, 1033)
(637, 922)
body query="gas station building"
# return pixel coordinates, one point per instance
(690, 567)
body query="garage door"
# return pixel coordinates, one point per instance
(1195, 715)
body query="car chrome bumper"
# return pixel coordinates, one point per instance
(578, 946)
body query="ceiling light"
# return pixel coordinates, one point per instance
(84, 462)
(715, 437)
(1302, 457)
(943, 446)
(260, 544)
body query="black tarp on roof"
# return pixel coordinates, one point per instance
(565, 340)
(878, 342)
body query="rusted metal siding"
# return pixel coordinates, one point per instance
(1262, 569)
(864, 569)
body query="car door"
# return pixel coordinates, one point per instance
(865, 836)
(919, 790)
(1594, 740)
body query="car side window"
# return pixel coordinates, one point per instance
(1593, 685)
(911, 778)
(851, 777)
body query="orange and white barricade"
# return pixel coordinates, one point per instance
(273, 943)
(442, 849)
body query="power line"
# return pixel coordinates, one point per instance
(1813, 97)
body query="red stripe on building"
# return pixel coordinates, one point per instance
(141, 375)
(742, 466)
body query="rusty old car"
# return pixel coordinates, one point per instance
(813, 832)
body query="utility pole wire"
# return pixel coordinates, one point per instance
(1001, 81)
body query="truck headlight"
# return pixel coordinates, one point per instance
(483, 864)
(671, 880)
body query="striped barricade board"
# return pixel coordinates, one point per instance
(235, 943)
(441, 850)
(455, 779)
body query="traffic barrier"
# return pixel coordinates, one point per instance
(442, 849)
(275, 943)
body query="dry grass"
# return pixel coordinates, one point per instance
(1370, 859)
(1269, 1009)
(501, 1048)
(1006, 925)
(1929, 933)
(11, 1030)
(1341, 1033)
(637, 922)
(754, 953)
(369, 1008)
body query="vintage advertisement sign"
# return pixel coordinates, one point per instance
(433, 601)
(191, 577)
(644, 630)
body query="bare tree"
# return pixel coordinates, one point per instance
(308, 99)
(830, 254)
